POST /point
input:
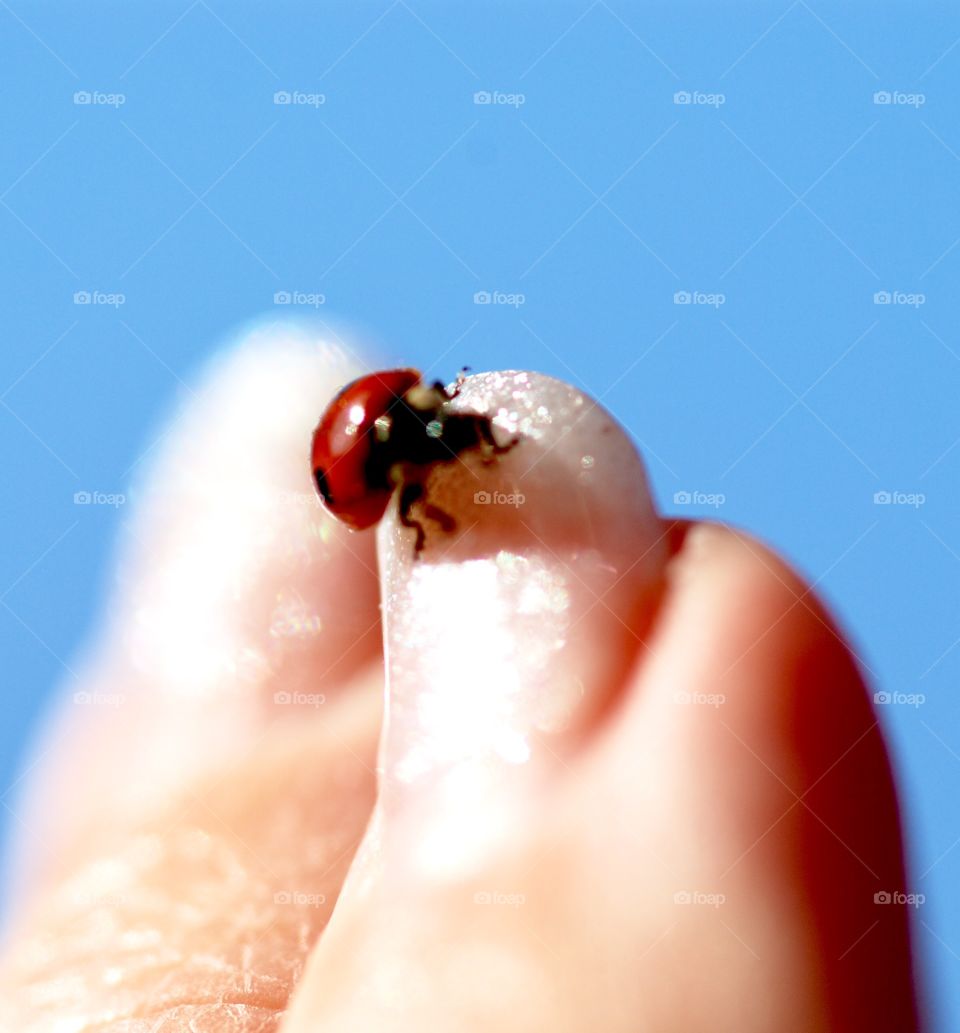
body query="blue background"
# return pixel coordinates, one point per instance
(597, 198)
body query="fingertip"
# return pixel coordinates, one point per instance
(751, 715)
(237, 599)
(508, 633)
(234, 562)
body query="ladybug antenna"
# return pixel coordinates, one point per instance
(461, 377)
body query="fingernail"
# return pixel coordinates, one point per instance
(512, 630)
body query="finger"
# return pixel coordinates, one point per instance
(199, 915)
(719, 839)
(507, 639)
(238, 601)
(774, 808)
(194, 830)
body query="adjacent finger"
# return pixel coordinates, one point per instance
(238, 600)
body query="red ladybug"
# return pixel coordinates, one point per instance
(385, 430)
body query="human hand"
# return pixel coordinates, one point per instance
(629, 778)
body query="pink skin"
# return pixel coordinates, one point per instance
(628, 777)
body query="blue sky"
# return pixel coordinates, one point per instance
(738, 226)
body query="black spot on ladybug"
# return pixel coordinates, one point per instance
(321, 480)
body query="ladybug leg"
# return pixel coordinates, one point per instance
(409, 494)
(446, 522)
(488, 443)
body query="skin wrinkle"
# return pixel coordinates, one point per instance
(196, 913)
(192, 1018)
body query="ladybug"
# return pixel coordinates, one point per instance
(386, 430)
